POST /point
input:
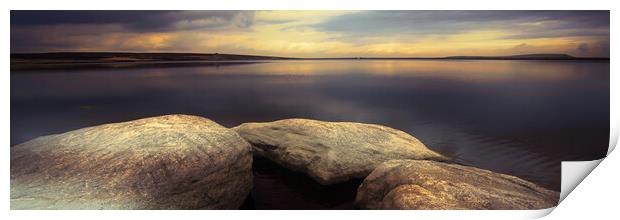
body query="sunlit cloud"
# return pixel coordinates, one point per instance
(315, 33)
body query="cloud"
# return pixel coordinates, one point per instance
(522, 48)
(526, 23)
(36, 31)
(597, 48)
(315, 33)
(137, 21)
(583, 48)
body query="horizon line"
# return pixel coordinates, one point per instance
(513, 56)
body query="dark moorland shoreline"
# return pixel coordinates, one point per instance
(35, 61)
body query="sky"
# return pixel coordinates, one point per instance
(315, 33)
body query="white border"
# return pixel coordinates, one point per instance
(304, 4)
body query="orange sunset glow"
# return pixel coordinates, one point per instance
(316, 33)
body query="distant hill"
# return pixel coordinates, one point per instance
(61, 57)
(539, 56)
(23, 59)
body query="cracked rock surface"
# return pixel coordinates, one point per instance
(414, 184)
(166, 162)
(332, 152)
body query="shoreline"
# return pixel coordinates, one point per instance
(21, 64)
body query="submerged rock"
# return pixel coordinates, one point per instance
(414, 184)
(167, 162)
(332, 152)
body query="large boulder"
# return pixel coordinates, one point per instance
(167, 162)
(332, 152)
(415, 184)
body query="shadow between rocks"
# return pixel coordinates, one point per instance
(277, 188)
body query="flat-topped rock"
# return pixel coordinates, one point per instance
(167, 162)
(332, 152)
(414, 184)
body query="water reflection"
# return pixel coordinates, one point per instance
(465, 70)
(516, 117)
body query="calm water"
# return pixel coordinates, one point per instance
(515, 117)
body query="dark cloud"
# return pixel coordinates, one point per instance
(553, 23)
(40, 31)
(521, 48)
(136, 21)
(278, 21)
(597, 49)
(583, 48)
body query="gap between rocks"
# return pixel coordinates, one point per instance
(276, 187)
